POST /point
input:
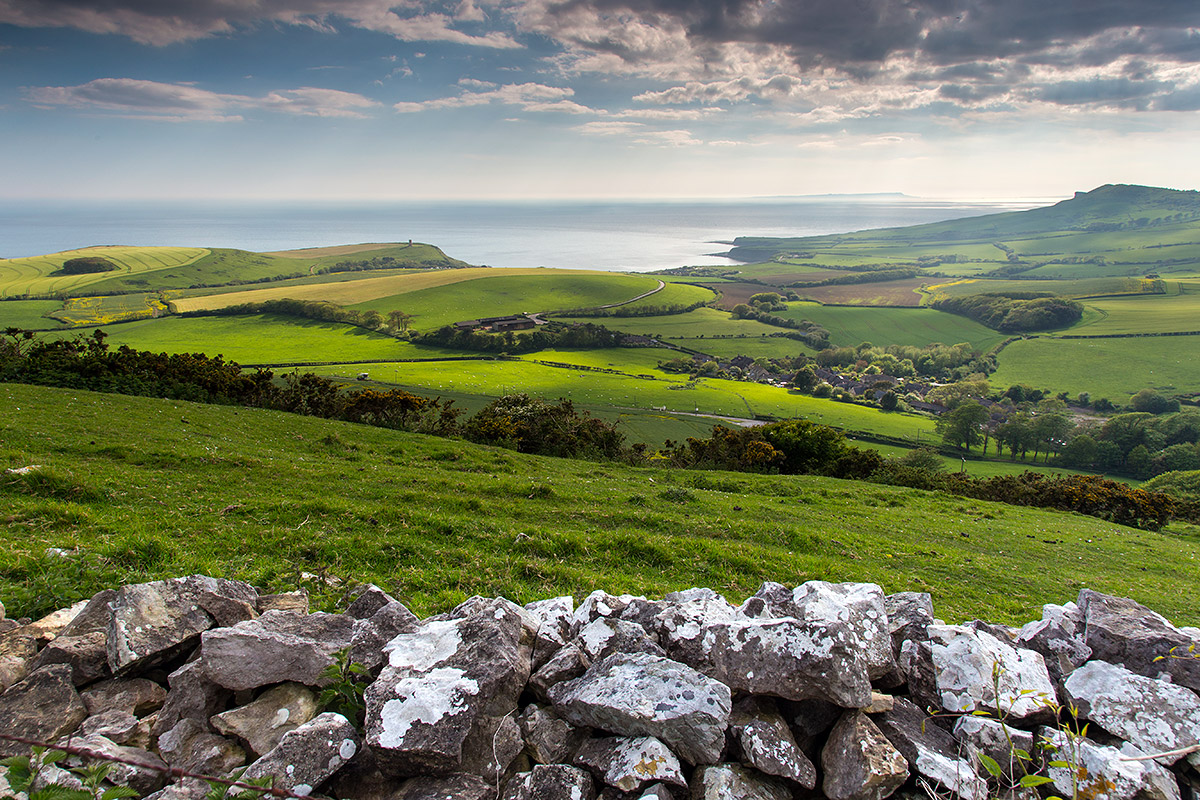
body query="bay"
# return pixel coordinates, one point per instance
(607, 235)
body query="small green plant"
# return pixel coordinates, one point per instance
(24, 771)
(221, 790)
(344, 693)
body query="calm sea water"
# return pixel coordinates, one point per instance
(594, 235)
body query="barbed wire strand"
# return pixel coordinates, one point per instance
(173, 772)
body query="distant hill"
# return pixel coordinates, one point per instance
(1111, 207)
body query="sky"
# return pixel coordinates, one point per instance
(338, 100)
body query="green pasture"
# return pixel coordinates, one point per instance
(29, 314)
(701, 322)
(665, 392)
(634, 360)
(35, 275)
(500, 295)
(1152, 313)
(138, 488)
(224, 266)
(1112, 368)
(675, 294)
(850, 326)
(752, 346)
(262, 339)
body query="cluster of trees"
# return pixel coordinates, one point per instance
(391, 262)
(636, 310)
(86, 265)
(580, 335)
(1014, 312)
(938, 361)
(813, 334)
(529, 425)
(322, 310)
(1141, 443)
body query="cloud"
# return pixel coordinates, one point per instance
(177, 102)
(163, 22)
(529, 96)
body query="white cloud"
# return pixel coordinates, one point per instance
(528, 96)
(177, 102)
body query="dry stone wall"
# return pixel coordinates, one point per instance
(822, 690)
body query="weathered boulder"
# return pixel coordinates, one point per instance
(930, 751)
(551, 782)
(373, 633)
(87, 655)
(640, 694)
(735, 782)
(767, 744)
(817, 657)
(295, 602)
(446, 787)
(192, 747)
(308, 755)
(262, 723)
(631, 763)
(682, 626)
(18, 649)
(1001, 743)
(861, 607)
(43, 707)
(858, 761)
(137, 696)
(1153, 715)
(567, 664)
(368, 599)
(601, 604)
(553, 617)
(447, 686)
(146, 774)
(192, 696)
(605, 636)
(1121, 631)
(1058, 636)
(119, 727)
(549, 739)
(972, 670)
(1106, 772)
(151, 622)
(184, 789)
(276, 647)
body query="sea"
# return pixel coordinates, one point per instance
(635, 236)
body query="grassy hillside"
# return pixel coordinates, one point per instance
(136, 488)
(42, 275)
(888, 326)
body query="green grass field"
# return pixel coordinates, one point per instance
(138, 488)
(1112, 368)
(497, 294)
(702, 321)
(888, 326)
(676, 294)
(262, 339)
(29, 314)
(36, 276)
(1152, 313)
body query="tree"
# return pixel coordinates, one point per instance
(1152, 402)
(398, 320)
(1080, 452)
(889, 401)
(741, 310)
(962, 426)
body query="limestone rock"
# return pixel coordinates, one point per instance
(373, 633)
(369, 599)
(551, 782)
(767, 743)
(185, 789)
(861, 606)
(190, 746)
(567, 664)
(18, 649)
(998, 741)
(656, 792)
(1106, 772)
(261, 724)
(276, 647)
(817, 657)
(682, 627)
(86, 654)
(294, 602)
(930, 751)
(1058, 636)
(308, 755)
(1121, 631)
(733, 782)
(43, 706)
(1153, 715)
(963, 663)
(492, 757)
(192, 696)
(600, 604)
(553, 617)
(143, 779)
(119, 727)
(605, 636)
(226, 611)
(631, 763)
(151, 622)
(859, 762)
(53, 624)
(137, 696)
(549, 739)
(447, 686)
(459, 786)
(645, 695)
